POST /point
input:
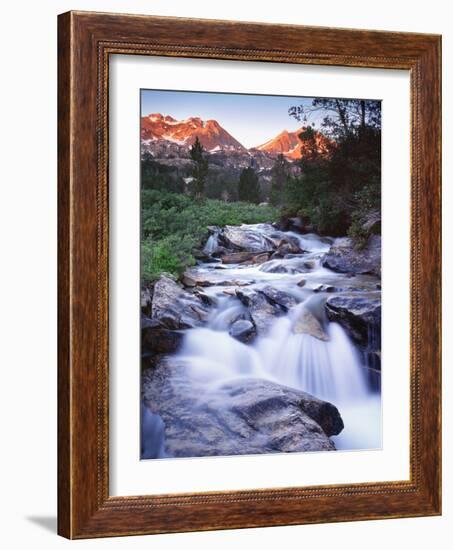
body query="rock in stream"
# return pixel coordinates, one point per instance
(245, 416)
(345, 257)
(357, 314)
(166, 311)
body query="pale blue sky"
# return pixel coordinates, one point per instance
(251, 119)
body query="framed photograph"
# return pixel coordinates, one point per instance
(249, 275)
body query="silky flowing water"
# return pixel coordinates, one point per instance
(333, 370)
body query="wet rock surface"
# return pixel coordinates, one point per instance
(246, 416)
(261, 310)
(194, 278)
(158, 339)
(244, 258)
(279, 297)
(360, 316)
(244, 238)
(174, 308)
(307, 323)
(243, 330)
(287, 245)
(288, 265)
(168, 309)
(345, 257)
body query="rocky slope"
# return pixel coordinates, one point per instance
(167, 141)
(166, 138)
(212, 136)
(290, 145)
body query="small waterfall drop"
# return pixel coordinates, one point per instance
(310, 242)
(330, 370)
(211, 244)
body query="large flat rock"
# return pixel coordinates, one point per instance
(243, 416)
(248, 239)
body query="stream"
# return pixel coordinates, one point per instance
(325, 363)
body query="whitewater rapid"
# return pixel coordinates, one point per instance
(332, 369)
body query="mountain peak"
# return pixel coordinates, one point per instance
(210, 133)
(291, 146)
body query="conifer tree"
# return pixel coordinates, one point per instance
(280, 176)
(200, 170)
(249, 187)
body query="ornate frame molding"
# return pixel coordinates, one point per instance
(86, 40)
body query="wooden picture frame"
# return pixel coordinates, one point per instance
(85, 42)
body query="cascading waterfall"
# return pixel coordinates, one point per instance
(331, 369)
(310, 242)
(211, 244)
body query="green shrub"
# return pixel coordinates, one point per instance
(167, 255)
(173, 225)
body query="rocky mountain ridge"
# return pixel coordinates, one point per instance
(184, 132)
(165, 137)
(291, 146)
